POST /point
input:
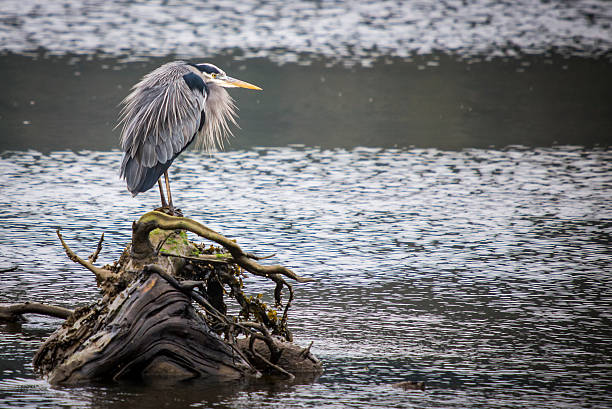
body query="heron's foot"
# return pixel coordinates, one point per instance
(172, 212)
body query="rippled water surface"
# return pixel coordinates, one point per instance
(440, 255)
(352, 31)
(485, 273)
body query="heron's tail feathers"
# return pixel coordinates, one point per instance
(140, 178)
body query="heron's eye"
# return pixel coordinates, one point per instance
(214, 75)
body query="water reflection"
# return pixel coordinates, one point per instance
(484, 272)
(58, 103)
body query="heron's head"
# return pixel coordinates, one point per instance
(215, 75)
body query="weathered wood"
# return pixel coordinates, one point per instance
(14, 312)
(298, 361)
(101, 273)
(150, 329)
(142, 247)
(146, 323)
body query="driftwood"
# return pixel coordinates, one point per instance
(155, 330)
(164, 312)
(14, 312)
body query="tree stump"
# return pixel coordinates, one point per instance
(163, 312)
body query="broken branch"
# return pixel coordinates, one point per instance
(12, 312)
(94, 256)
(101, 273)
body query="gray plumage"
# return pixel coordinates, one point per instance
(163, 115)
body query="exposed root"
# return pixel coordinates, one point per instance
(142, 247)
(254, 257)
(189, 290)
(13, 312)
(101, 273)
(254, 330)
(265, 337)
(202, 258)
(153, 268)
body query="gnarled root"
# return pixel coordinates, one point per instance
(142, 247)
(14, 312)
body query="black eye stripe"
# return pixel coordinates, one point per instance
(207, 68)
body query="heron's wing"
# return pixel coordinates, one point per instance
(160, 119)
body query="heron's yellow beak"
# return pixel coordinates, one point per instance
(229, 82)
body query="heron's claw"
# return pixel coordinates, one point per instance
(168, 211)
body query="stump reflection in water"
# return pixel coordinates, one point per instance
(164, 313)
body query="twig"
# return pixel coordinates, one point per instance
(203, 258)
(306, 351)
(11, 312)
(161, 244)
(281, 281)
(255, 325)
(190, 285)
(9, 269)
(94, 255)
(101, 273)
(254, 257)
(275, 352)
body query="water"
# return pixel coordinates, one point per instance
(348, 31)
(484, 273)
(443, 169)
(70, 102)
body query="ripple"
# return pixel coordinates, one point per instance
(295, 31)
(484, 272)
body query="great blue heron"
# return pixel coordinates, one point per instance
(167, 111)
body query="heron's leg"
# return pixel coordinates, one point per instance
(169, 194)
(161, 193)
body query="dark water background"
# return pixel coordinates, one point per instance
(55, 103)
(443, 170)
